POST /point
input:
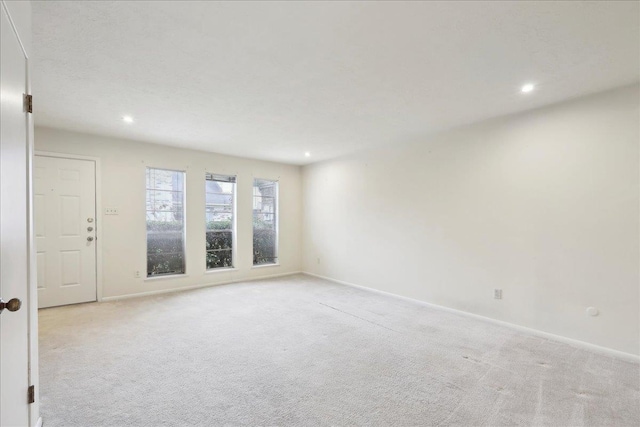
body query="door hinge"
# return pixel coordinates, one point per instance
(31, 394)
(28, 103)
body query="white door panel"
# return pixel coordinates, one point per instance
(14, 229)
(64, 204)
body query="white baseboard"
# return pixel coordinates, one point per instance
(604, 350)
(187, 288)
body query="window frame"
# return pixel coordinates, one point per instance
(184, 224)
(234, 222)
(276, 225)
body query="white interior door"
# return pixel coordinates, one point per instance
(14, 229)
(65, 230)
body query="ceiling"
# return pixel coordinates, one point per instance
(275, 80)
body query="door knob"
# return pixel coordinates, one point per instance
(89, 239)
(13, 304)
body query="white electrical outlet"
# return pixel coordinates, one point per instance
(497, 293)
(111, 211)
(136, 274)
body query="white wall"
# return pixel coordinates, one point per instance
(123, 165)
(544, 205)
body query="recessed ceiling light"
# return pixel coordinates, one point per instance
(127, 119)
(307, 154)
(527, 88)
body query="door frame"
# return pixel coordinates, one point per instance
(99, 222)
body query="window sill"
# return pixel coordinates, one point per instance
(168, 276)
(221, 270)
(266, 265)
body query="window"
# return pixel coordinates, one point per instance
(265, 222)
(165, 222)
(219, 211)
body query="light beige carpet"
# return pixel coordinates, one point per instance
(298, 351)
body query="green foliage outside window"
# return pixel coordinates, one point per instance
(264, 242)
(165, 249)
(164, 245)
(219, 244)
